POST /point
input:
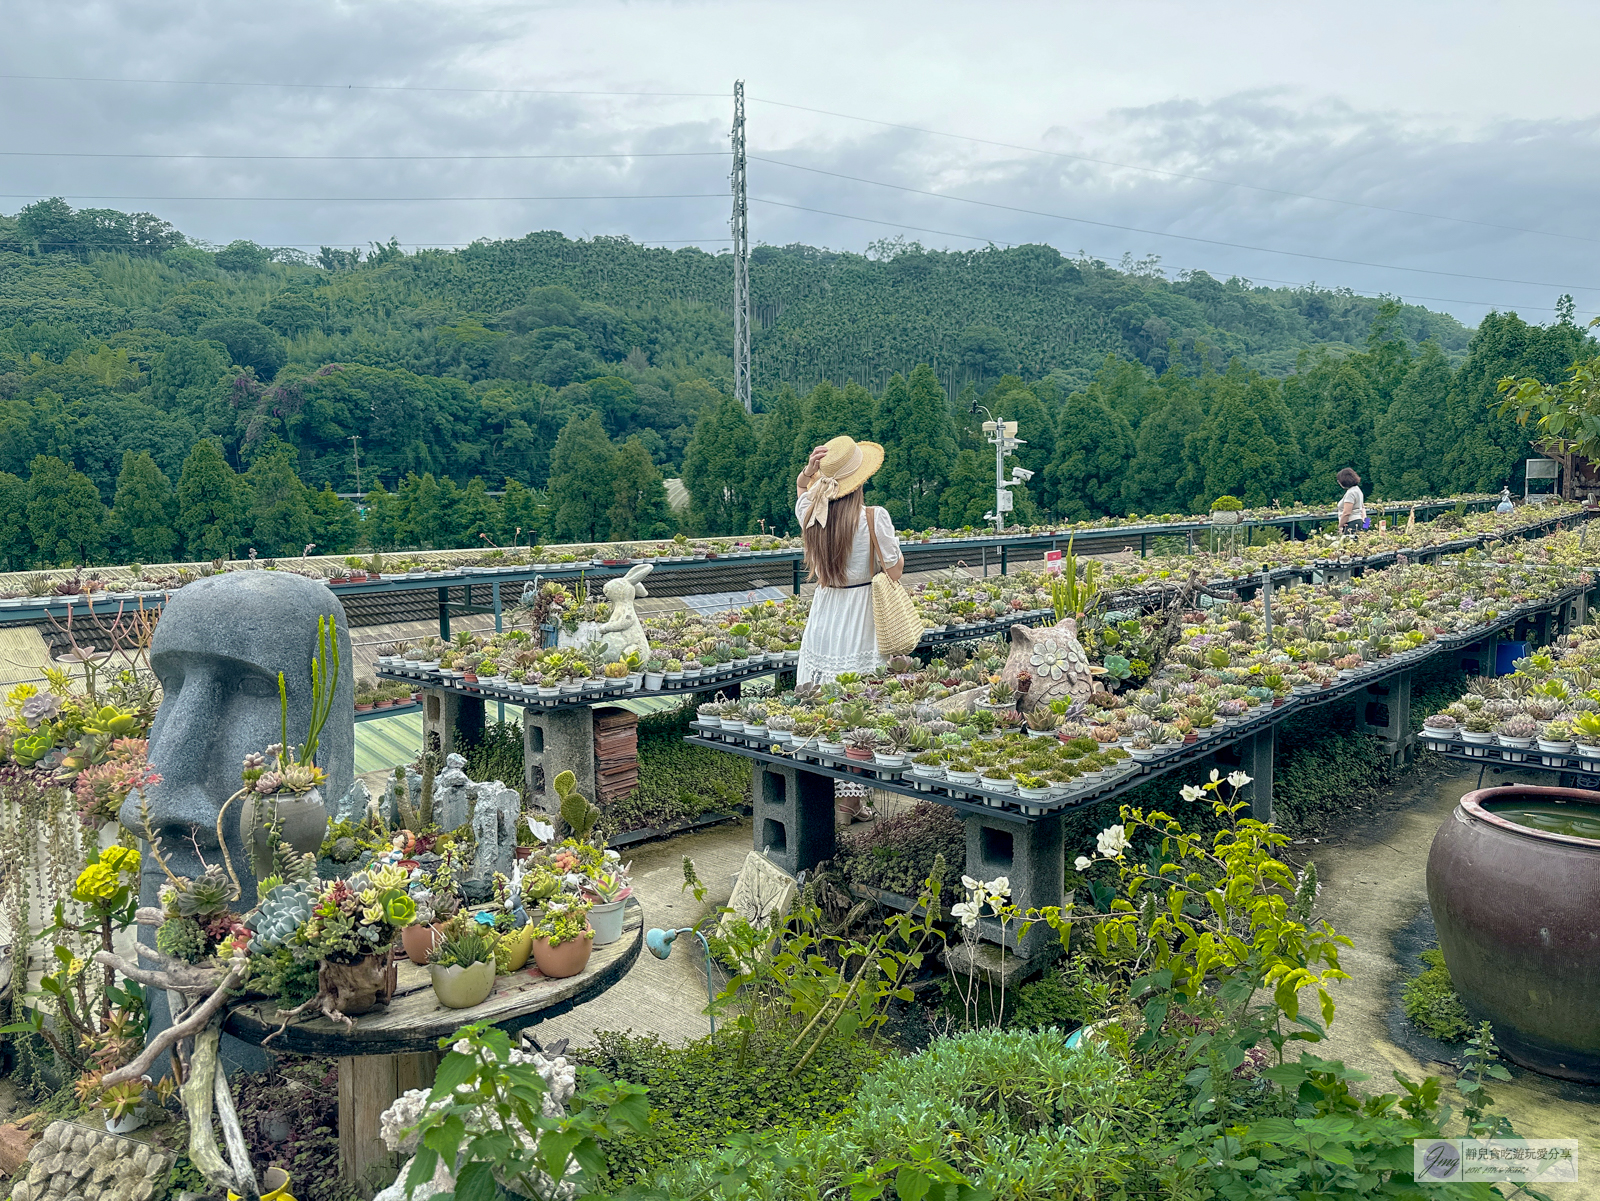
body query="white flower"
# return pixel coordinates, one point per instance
(1213, 775)
(1191, 792)
(543, 831)
(970, 884)
(1237, 779)
(1081, 862)
(1112, 841)
(1000, 886)
(967, 911)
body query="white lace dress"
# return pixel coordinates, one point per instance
(840, 635)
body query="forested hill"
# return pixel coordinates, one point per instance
(590, 369)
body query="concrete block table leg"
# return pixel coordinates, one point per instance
(368, 1085)
(448, 717)
(554, 741)
(1255, 758)
(1388, 715)
(792, 816)
(1029, 854)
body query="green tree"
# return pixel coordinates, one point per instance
(1093, 448)
(776, 463)
(833, 411)
(280, 515)
(478, 515)
(1341, 432)
(919, 444)
(16, 540)
(520, 515)
(581, 491)
(1236, 455)
(1411, 439)
(211, 504)
(335, 525)
(640, 509)
(65, 512)
(380, 524)
(1152, 482)
(144, 513)
(716, 468)
(249, 343)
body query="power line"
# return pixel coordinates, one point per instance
(337, 242)
(375, 199)
(353, 87)
(1155, 233)
(1250, 278)
(1083, 158)
(361, 158)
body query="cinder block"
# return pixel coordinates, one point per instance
(554, 741)
(1029, 855)
(448, 717)
(792, 816)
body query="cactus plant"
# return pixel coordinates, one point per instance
(576, 810)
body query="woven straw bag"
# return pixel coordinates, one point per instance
(899, 626)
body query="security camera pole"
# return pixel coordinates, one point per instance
(1003, 436)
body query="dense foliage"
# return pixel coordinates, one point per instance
(574, 376)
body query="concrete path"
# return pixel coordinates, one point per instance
(1375, 891)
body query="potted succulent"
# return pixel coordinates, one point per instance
(1555, 743)
(1439, 731)
(562, 938)
(655, 670)
(1477, 732)
(861, 744)
(1586, 733)
(462, 965)
(351, 931)
(893, 746)
(608, 890)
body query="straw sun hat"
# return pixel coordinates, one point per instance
(847, 465)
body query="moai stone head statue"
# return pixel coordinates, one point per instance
(218, 650)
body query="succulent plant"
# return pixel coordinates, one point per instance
(281, 912)
(181, 938)
(204, 897)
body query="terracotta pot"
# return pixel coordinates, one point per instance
(360, 987)
(568, 959)
(1514, 907)
(419, 940)
(854, 752)
(462, 987)
(366, 708)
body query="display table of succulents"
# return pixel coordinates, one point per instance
(948, 732)
(385, 1053)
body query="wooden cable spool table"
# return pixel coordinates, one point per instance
(396, 1048)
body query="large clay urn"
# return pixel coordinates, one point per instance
(1518, 915)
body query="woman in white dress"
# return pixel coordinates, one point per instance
(839, 534)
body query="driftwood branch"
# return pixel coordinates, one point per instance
(192, 1024)
(195, 980)
(233, 1137)
(149, 915)
(199, 1092)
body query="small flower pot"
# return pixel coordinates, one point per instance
(605, 919)
(460, 987)
(417, 941)
(570, 958)
(653, 680)
(521, 941)
(859, 754)
(129, 1121)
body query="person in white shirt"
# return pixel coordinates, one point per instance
(1352, 510)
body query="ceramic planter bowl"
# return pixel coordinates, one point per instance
(570, 958)
(1514, 906)
(418, 941)
(521, 947)
(302, 821)
(605, 919)
(460, 987)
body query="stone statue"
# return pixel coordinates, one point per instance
(1054, 661)
(624, 629)
(217, 651)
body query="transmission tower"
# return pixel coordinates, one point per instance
(741, 256)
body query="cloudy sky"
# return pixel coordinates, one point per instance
(1444, 153)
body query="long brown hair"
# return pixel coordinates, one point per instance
(828, 546)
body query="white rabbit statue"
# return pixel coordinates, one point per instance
(625, 630)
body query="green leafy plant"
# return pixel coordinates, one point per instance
(1431, 1002)
(576, 809)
